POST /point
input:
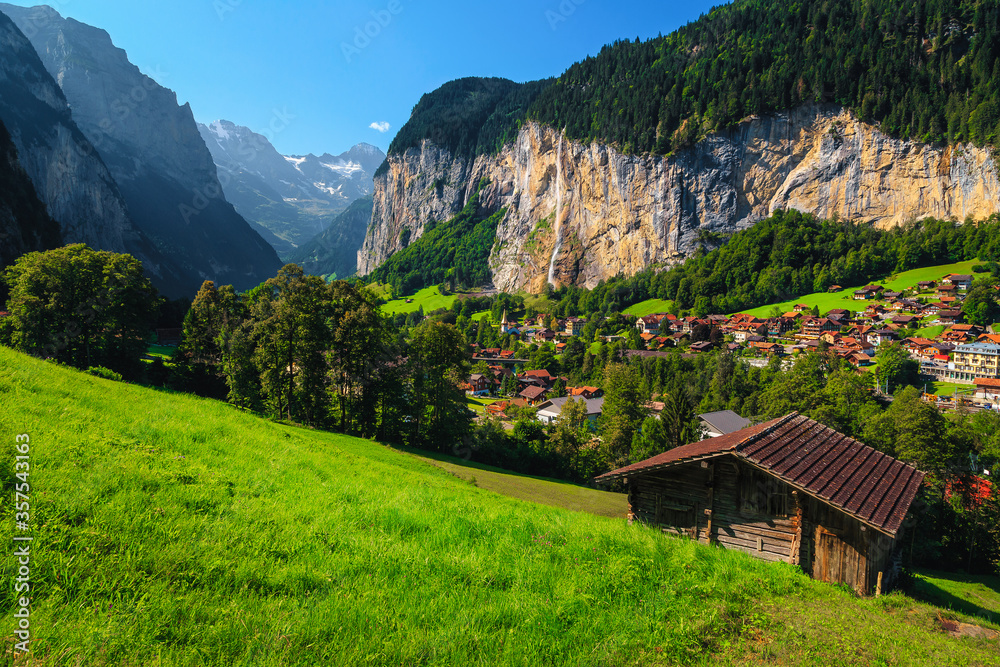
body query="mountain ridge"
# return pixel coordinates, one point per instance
(154, 153)
(292, 197)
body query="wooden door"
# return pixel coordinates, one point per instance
(836, 561)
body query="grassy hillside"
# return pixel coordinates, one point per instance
(171, 530)
(430, 298)
(648, 307)
(844, 298)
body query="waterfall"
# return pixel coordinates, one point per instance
(558, 214)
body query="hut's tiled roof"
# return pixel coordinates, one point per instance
(839, 470)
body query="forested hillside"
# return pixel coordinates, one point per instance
(456, 251)
(926, 70)
(786, 256)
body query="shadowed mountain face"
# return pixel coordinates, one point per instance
(25, 225)
(155, 154)
(288, 199)
(66, 172)
(334, 252)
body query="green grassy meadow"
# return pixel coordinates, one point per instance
(843, 298)
(649, 306)
(430, 298)
(173, 530)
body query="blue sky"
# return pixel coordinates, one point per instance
(308, 76)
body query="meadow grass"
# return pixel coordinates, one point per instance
(430, 298)
(173, 530)
(649, 306)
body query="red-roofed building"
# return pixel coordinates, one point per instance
(788, 490)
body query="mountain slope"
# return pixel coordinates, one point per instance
(292, 197)
(333, 253)
(205, 536)
(66, 172)
(25, 225)
(927, 71)
(154, 152)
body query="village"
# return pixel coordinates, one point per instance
(926, 320)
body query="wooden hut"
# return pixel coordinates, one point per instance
(789, 490)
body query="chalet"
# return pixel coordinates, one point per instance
(947, 290)
(988, 389)
(648, 324)
(533, 395)
(906, 320)
(585, 392)
(868, 292)
(971, 331)
(499, 409)
(959, 280)
(792, 315)
(550, 410)
(833, 288)
(920, 346)
(925, 285)
(891, 295)
(702, 346)
(544, 335)
(542, 376)
(950, 316)
(813, 327)
(880, 336)
(777, 326)
(733, 347)
(479, 384)
(788, 490)
(722, 422)
(860, 359)
(839, 314)
(800, 308)
(769, 348)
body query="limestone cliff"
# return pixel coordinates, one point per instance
(581, 213)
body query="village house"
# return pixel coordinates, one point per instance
(533, 394)
(479, 384)
(788, 490)
(833, 288)
(925, 285)
(721, 422)
(988, 389)
(702, 346)
(813, 327)
(585, 392)
(880, 336)
(550, 410)
(800, 308)
(958, 280)
(950, 316)
(868, 292)
(649, 324)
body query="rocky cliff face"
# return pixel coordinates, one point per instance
(68, 175)
(155, 153)
(581, 213)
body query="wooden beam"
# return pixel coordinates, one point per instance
(711, 499)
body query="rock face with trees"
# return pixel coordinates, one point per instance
(630, 158)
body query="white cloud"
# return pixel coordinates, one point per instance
(382, 127)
